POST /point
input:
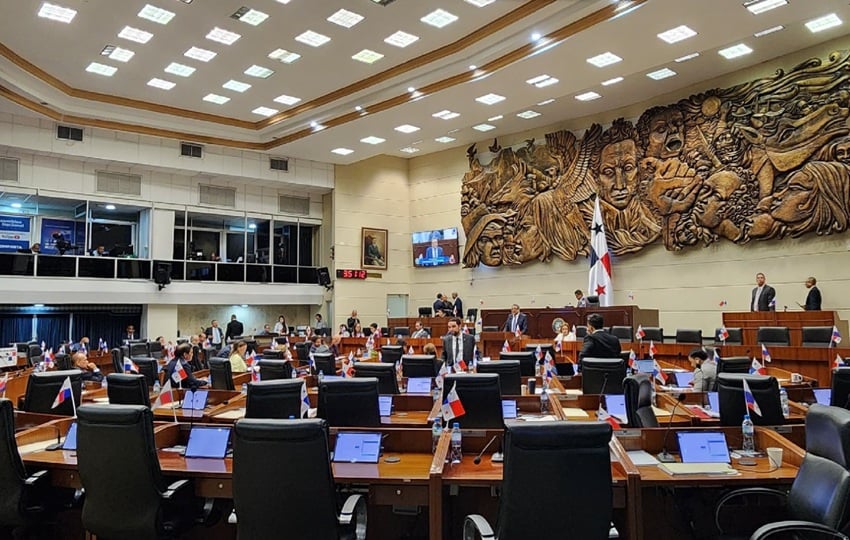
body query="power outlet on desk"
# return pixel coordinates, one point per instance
(627, 433)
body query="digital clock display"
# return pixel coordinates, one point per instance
(351, 274)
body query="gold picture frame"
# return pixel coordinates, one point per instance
(373, 255)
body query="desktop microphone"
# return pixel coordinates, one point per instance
(477, 459)
(664, 456)
(58, 444)
(604, 384)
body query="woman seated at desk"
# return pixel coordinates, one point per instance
(90, 370)
(318, 345)
(237, 357)
(343, 331)
(358, 331)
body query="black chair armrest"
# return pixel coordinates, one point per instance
(36, 478)
(475, 526)
(176, 488)
(766, 531)
(353, 515)
(36, 488)
(745, 492)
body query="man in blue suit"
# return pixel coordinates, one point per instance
(435, 251)
(516, 321)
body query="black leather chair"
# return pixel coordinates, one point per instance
(34, 354)
(139, 349)
(63, 362)
(385, 332)
(581, 331)
(42, 389)
(840, 394)
(773, 335)
(818, 501)
(401, 331)
(125, 351)
(623, 333)
(425, 311)
(736, 336)
(274, 399)
(510, 380)
(325, 362)
(349, 402)
(577, 454)
(653, 333)
(526, 359)
(260, 483)
(592, 300)
(471, 314)
(271, 370)
(127, 501)
(689, 335)
(817, 336)
(221, 375)
(481, 397)
(269, 354)
(734, 364)
(117, 360)
(602, 375)
(419, 365)
(765, 390)
(148, 368)
(155, 349)
(638, 396)
(127, 389)
(22, 495)
(391, 354)
(385, 373)
(302, 349)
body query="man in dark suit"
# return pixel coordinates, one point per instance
(434, 251)
(457, 344)
(457, 306)
(441, 306)
(130, 334)
(763, 296)
(813, 299)
(598, 343)
(215, 335)
(516, 321)
(234, 328)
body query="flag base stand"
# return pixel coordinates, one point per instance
(747, 462)
(665, 457)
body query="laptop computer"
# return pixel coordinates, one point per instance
(703, 447)
(645, 366)
(195, 400)
(509, 409)
(208, 442)
(684, 379)
(615, 404)
(70, 442)
(354, 447)
(385, 405)
(823, 395)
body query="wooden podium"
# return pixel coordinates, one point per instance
(750, 321)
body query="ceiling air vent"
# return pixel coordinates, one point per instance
(217, 196)
(191, 150)
(69, 133)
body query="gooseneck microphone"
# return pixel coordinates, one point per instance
(477, 459)
(664, 456)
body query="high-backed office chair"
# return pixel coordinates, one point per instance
(592, 301)
(638, 393)
(840, 394)
(481, 397)
(385, 332)
(510, 380)
(581, 331)
(349, 402)
(155, 349)
(221, 374)
(269, 354)
(602, 375)
(127, 501)
(817, 336)
(271, 370)
(526, 359)
(274, 399)
(653, 333)
(21, 498)
(774, 335)
(260, 483)
(302, 349)
(127, 389)
(817, 503)
(428, 329)
(689, 335)
(391, 353)
(117, 360)
(425, 311)
(765, 390)
(42, 389)
(325, 363)
(385, 373)
(472, 314)
(401, 331)
(419, 365)
(34, 354)
(736, 336)
(734, 364)
(623, 333)
(148, 368)
(139, 350)
(576, 452)
(63, 361)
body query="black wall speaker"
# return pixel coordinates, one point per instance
(324, 276)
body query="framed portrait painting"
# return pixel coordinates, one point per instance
(374, 242)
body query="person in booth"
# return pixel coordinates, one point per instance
(516, 321)
(705, 371)
(357, 331)
(183, 354)
(598, 343)
(420, 332)
(90, 371)
(457, 344)
(130, 334)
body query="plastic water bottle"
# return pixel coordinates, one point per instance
(747, 430)
(457, 443)
(436, 393)
(436, 432)
(783, 398)
(544, 397)
(156, 387)
(321, 376)
(244, 388)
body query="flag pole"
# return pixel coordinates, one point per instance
(173, 410)
(73, 404)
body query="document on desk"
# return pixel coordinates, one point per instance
(233, 414)
(575, 412)
(660, 412)
(642, 457)
(713, 469)
(35, 447)
(539, 418)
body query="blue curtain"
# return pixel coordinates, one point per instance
(52, 330)
(103, 325)
(14, 328)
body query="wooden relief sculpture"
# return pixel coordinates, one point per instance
(766, 159)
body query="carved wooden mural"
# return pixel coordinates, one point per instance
(766, 159)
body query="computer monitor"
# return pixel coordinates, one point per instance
(354, 447)
(703, 447)
(527, 361)
(823, 396)
(683, 379)
(385, 373)
(208, 442)
(419, 365)
(481, 399)
(70, 442)
(765, 390)
(349, 402)
(600, 375)
(510, 379)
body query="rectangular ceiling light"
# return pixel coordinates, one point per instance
(445, 139)
(529, 114)
(445, 114)
(662, 73)
(101, 69)
(200, 54)
(734, 51)
(179, 69)
(439, 18)
(687, 57)
(284, 56)
(121, 55)
(490, 99)
(367, 56)
(769, 31)
(57, 13)
(677, 34)
(371, 139)
(483, 127)
(480, 3)
(345, 18)
(314, 39)
(342, 151)
(546, 102)
(609, 82)
(287, 100)
(406, 128)
(134, 34)
(409, 149)
(249, 16)
(823, 23)
(604, 59)
(217, 99)
(588, 96)
(259, 71)
(155, 14)
(401, 39)
(161, 84)
(542, 81)
(264, 111)
(495, 118)
(236, 86)
(760, 6)
(223, 36)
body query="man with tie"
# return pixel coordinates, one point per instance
(434, 251)
(130, 333)
(581, 299)
(214, 334)
(457, 306)
(457, 344)
(419, 331)
(598, 343)
(763, 296)
(516, 321)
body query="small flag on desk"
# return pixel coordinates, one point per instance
(43, 345)
(765, 356)
(716, 355)
(518, 333)
(658, 373)
(538, 353)
(130, 366)
(652, 350)
(444, 370)
(557, 345)
(179, 373)
(49, 358)
(757, 368)
(100, 344)
(639, 333)
(399, 368)
(165, 396)
(3, 382)
(460, 366)
(255, 374)
(838, 362)
(305, 400)
(603, 416)
(465, 329)
(452, 407)
(348, 368)
(632, 359)
(64, 394)
(750, 399)
(723, 334)
(506, 347)
(410, 350)
(836, 335)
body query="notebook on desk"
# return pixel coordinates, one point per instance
(208, 442)
(353, 447)
(677, 469)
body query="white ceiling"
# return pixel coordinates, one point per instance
(65, 50)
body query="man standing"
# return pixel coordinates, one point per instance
(763, 297)
(516, 321)
(234, 328)
(419, 331)
(581, 300)
(457, 345)
(440, 305)
(214, 334)
(352, 321)
(813, 299)
(457, 306)
(598, 343)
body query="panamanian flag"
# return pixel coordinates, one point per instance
(452, 407)
(600, 282)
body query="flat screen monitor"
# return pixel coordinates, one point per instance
(703, 447)
(615, 404)
(419, 385)
(208, 442)
(196, 400)
(385, 405)
(353, 447)
(71, 438)
(823, 395)
(437, 247)
(509, 409)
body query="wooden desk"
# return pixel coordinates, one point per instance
(439, 325)
(541, 321)
(750, 321)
